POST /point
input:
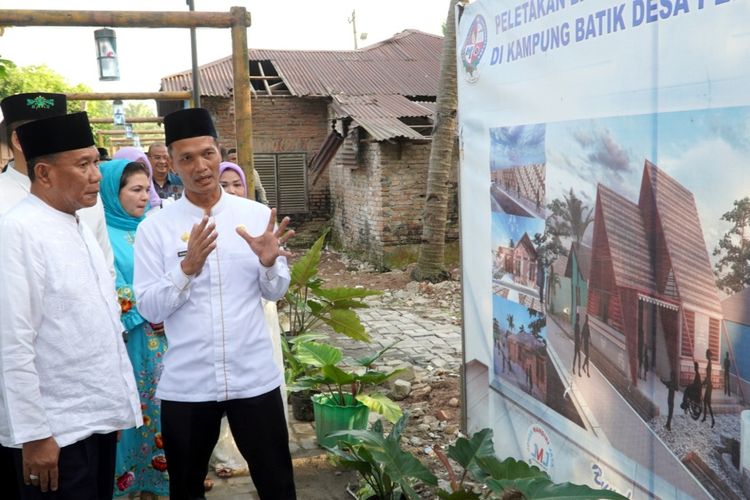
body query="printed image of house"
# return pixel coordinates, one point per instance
(519, 190)
(577, 271)
(652, 299)
(558, 296)
(518, 261)
(736, 309)
(530, 354)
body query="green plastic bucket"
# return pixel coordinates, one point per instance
(331, 417)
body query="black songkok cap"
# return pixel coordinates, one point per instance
(55, 135)
(187, 123)
(32, 106)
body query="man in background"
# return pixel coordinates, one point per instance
(167, 183)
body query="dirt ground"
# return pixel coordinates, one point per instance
(433, 404)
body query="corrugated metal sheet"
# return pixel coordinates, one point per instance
(379, 114)
(377, 106)
(215, 79)
(382, 128)
(406, 64)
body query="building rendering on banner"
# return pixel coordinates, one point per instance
(530, 354)
(518, 260)
(577, 271)
(652, 299)
(736, 310)
(520, 190)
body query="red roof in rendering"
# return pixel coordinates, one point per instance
(678, 217)
(664, 208)
(628, 244)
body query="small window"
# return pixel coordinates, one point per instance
(284, 177)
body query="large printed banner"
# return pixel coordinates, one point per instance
(605, 191)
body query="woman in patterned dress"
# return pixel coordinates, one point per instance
(141, 464)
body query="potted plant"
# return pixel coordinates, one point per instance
(296, 368)
(308, 305)
(342, 403)
(389, 472)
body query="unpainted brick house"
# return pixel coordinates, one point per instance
(340, 136)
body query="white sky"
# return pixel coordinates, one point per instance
(146, 55)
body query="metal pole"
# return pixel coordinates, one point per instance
(194, 53)
(353, 22)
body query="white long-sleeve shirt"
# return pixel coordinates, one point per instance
(64, 369)
(219, 348)
(14, 187)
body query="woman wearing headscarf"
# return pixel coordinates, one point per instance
(226, 459)
(141, 464)
(136, 155)
(232, 179)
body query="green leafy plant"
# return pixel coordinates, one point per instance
(509, 479)
(330, 375)
(389, 472)
(310, 304)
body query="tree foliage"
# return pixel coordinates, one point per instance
(5, 65)
(41, 78)
(570, 217)
(732, 269)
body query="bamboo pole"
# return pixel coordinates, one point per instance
(122, 19)
(128, 96)
(242, 108)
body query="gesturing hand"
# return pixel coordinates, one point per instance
(40, 463)
(202, 241)
(270, 244)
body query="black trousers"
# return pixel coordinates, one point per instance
(87, 471)
(8, 476)
(191, 430)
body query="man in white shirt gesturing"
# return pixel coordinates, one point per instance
(202, 266)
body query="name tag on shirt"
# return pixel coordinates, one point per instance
(182, 253)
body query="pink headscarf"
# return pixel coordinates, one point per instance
(135, 154)
(228, 165)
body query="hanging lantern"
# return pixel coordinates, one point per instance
(106, 54)
(119, 112)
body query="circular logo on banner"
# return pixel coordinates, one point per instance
(539, 448)
(474, 47)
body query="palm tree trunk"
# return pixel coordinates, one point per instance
(430, 265)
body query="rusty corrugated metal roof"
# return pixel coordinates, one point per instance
(377, 106)
(406, 64)
(215, 79)
(379, 114)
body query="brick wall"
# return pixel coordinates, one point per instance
(356, 197)
(282, 124)
(377, 207)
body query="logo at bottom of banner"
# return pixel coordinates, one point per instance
(539, 450)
